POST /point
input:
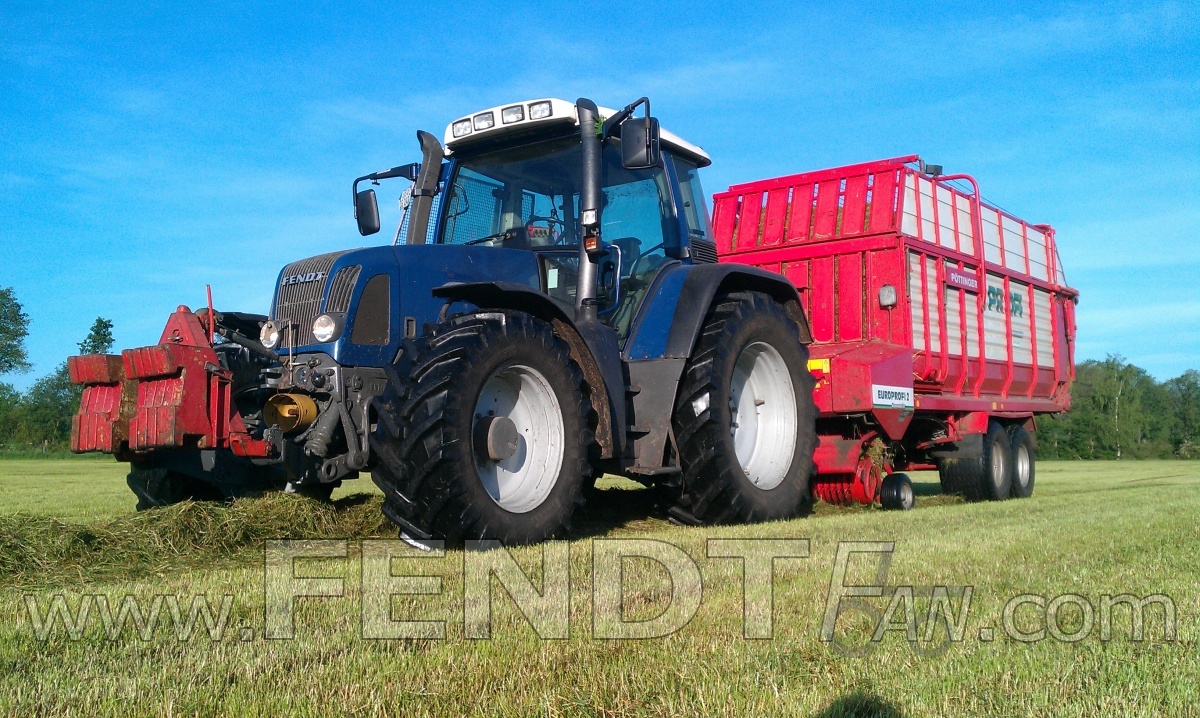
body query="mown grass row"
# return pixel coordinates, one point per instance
(41, 550)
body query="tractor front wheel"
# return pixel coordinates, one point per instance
(484, 432)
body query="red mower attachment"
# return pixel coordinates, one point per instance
(173, 395)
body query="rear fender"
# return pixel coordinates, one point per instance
(707, 281)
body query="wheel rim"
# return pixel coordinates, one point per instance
(1021, 467)
(998, 467)
(763, 422)
(521, 394)
(906, 496)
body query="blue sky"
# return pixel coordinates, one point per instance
(149, 150)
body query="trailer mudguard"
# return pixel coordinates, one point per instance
(593, 346)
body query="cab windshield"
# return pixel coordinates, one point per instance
(528, 198)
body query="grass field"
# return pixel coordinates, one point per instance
(1091, 529)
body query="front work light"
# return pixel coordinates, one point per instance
(462, 128)
(540, 110)
(268, 336)
(324, 328)
(508, 115)
(484, 121)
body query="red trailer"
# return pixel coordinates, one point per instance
(941, 325)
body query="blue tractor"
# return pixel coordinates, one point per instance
(551, 310)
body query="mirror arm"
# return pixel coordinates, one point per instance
(612, 123)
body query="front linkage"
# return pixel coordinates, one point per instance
(201, 418)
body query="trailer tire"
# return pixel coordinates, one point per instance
(1023, 461)
(433, 439)
(156, 487)
(748, 348)
(986, 478)
(896, 493)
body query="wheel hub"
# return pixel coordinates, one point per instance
(496, 437)
(519, 438)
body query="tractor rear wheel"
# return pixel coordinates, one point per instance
(484, 432)
(745, 420)
(986, 478)
(1022, 461)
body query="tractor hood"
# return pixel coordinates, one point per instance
(377, 296)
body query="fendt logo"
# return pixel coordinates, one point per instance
(301, 278)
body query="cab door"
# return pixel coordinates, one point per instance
(639, 220)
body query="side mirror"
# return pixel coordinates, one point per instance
(366, 211)
(640, 143)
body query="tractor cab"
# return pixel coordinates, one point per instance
(513, 179)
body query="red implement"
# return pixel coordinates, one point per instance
(175, 394)
(927, 306)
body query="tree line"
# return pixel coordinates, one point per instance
(1119, 411)
(40, 417)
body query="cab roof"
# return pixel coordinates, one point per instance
(548, 112)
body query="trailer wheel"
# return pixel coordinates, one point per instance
(745, 419)
(1021, 443)
(484, 432)
(156, 487)
(896, 493)
(987, 478)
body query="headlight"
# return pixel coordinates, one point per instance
(484, 121)
(539, 110)
(516, 113)
(268, 336)
(324, 328)
(462, 128)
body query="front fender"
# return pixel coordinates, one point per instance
(593, 346)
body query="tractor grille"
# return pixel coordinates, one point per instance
(342, 288)
(298, 303)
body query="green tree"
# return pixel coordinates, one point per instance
(1183, 393)
(44, 414)
(10, 406)
(46, 409)
(14, 327)
(99, 339)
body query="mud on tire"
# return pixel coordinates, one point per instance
(716, 488)
(430, 449)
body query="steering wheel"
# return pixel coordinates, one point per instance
(549, 222)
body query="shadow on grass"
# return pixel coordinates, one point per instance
(613, 508)
(860, 704)
(927, 488)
